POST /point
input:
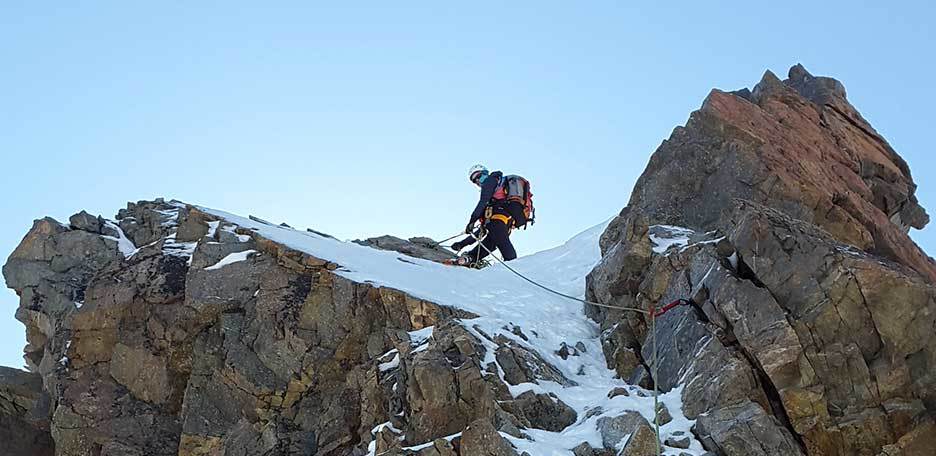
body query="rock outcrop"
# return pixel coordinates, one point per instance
(783, 216)
(418, 247)
(797, 146)
(210, 339)
(778, 213)
(24, 424)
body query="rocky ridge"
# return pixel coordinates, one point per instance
(180, 330)
(783, 215)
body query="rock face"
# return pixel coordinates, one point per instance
(209, 339)
(24, 427)
(797, 146)
(811, 327)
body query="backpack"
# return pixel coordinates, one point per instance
(515, 188)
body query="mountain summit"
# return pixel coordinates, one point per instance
(775, 222)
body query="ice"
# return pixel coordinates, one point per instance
(503, 300)
(665, 236)
(179, 249)
(125, 246)
(429, 444)
(171, 216)
(733, 261)
(213, 228)
(372, 447)
(231, 259)
(240, 237)
(420, 336)
(392, 364)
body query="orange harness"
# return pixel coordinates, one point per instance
(502, 218)
(505, 219)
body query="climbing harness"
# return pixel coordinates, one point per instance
(502, 218)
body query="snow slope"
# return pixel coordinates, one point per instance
(503, 299)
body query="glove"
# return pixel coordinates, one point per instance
(460, 245)
(469, 229)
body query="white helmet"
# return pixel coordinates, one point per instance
(475, 171)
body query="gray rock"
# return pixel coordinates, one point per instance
(745, 429)
(642, 442)
(584, 449)
(86, 222)
(663, 415)
(482, 439)
(641, 377)
(678, 442)
(542, 411)
(618, 392)
(417, 247)
(523, 366)
(614, 429)
(24, 427)
(593, 412)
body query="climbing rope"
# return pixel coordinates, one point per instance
(653, 313)
(557, 293)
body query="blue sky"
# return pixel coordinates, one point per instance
(361, 121)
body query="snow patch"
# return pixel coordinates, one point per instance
(125, 245)
(665, 236)
(733, 261)
(503, 302)
(389, 365)
(171, 216)
(232, 229)
(231, 259)
(179, 249)
(213, 228)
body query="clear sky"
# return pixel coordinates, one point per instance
(361, 121)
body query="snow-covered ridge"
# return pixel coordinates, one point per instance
(503, 300)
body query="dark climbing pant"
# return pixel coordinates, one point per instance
(498, 237)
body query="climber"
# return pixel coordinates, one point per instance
(506, 203)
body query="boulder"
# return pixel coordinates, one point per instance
(482, 439)
(678, 440)
(541, 411)
(613, 430)
(417, 247)
(86, 222)
(642, 442)
(524, 366)
(745, 429)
